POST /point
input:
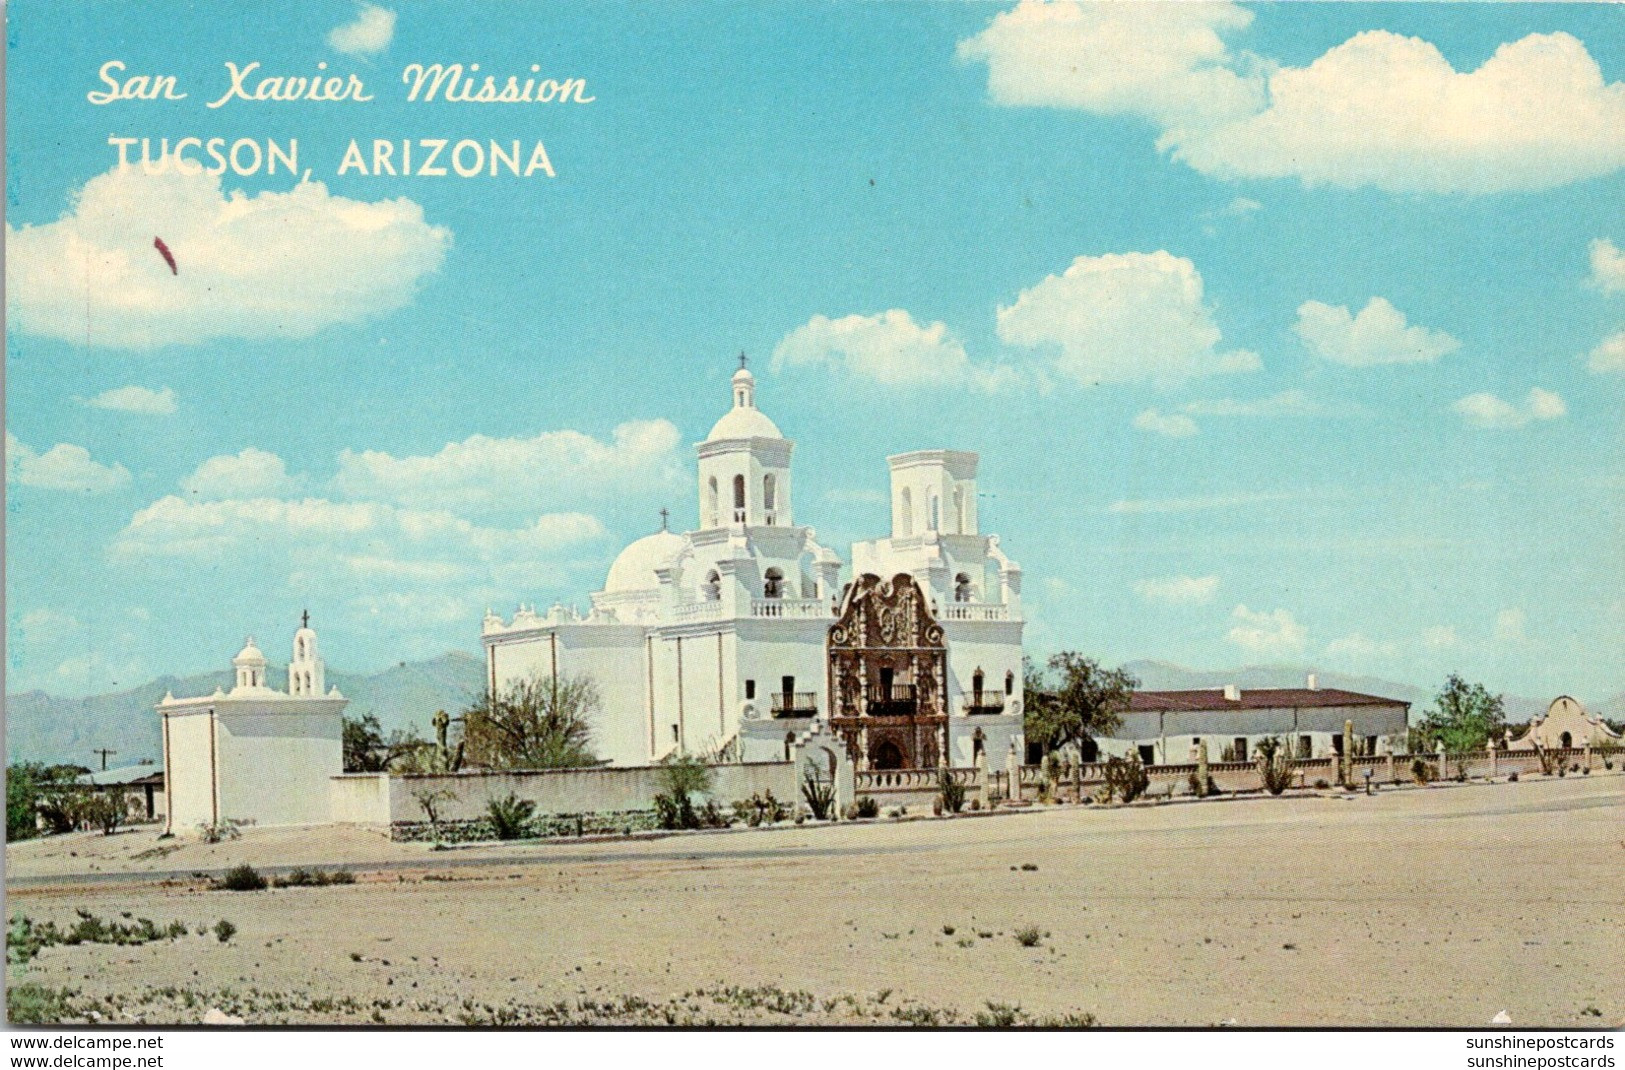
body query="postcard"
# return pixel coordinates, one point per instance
(1012, 514)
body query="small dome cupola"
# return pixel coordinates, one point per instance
(250, 666)
(744, 419)
(744, 464)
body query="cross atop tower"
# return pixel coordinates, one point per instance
(304, 620)
(665, 515)
(743, 360)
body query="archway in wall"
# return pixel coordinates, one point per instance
(886, 754)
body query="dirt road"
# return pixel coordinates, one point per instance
(1437, 906)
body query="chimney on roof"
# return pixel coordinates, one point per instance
(1232, 693)
(1313, 682)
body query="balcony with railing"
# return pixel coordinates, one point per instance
(709, 609)
(795, 704)
(984, 704)
(975, 611)
(898, 700)
(791, 608)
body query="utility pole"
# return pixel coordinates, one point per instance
(104, 752)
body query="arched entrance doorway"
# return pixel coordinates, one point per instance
(886, 755)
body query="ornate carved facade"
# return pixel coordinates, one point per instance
(888, 665)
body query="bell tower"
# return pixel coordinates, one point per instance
(307, 674)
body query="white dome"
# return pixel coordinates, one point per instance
(249, 655)
(744, 423)
(634, 569)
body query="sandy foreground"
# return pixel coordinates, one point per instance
(1431, 907)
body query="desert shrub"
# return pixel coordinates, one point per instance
(1512, 777)
(975, 804)
(681, 777)
(62, 807)
(711, 816)
(1029, 936)
(509, 816)
(243, 878)
(224, 931)
(313, 878)
(819, 794)
(228, 829)
(1126, 779)
(1421, 771)
(950, 791)
(35, 1004)
(106, 810)
(867, 807)
(1273, 765)
(999, 1016)
(761, 808)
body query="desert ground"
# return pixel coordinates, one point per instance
(1436, 906)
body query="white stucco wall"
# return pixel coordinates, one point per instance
(187, 778)
(275, 764)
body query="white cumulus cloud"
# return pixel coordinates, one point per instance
(138, 399)
(1609, 355)
(1178, 590)
(548, 470)
(62, 467)
(1489, 411)
(1380, 109)
(1358, 649)
(315, 543)
(272, 265)
(1163, 62)
(1390, 111)
(1123, 317)
(1276, 632)
(888, 348)
(1509, 626)
(1378, 334)
(253, 473)
(371, 32)
(1173, 424)
(1607, 266)
(1440, 637)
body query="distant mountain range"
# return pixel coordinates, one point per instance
(43, 727)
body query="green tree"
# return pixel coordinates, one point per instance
(539, 723)
(368, 750)
(681, 777)
(364, 747)
(1075, 700)
(1465, 717)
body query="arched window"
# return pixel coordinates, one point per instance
(976, 682)
(1009, 683)
(713, 587)
(905, 514)
(711, 504)
(936, 514)
(299, 649)
(767, 491)
(739, 499)
(978, 745)
(1566, 740)
(962, 588)
(773, 584)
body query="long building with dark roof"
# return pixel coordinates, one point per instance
(1164, 727)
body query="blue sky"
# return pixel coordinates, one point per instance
(1129, 256)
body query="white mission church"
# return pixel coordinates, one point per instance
(732, 638)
